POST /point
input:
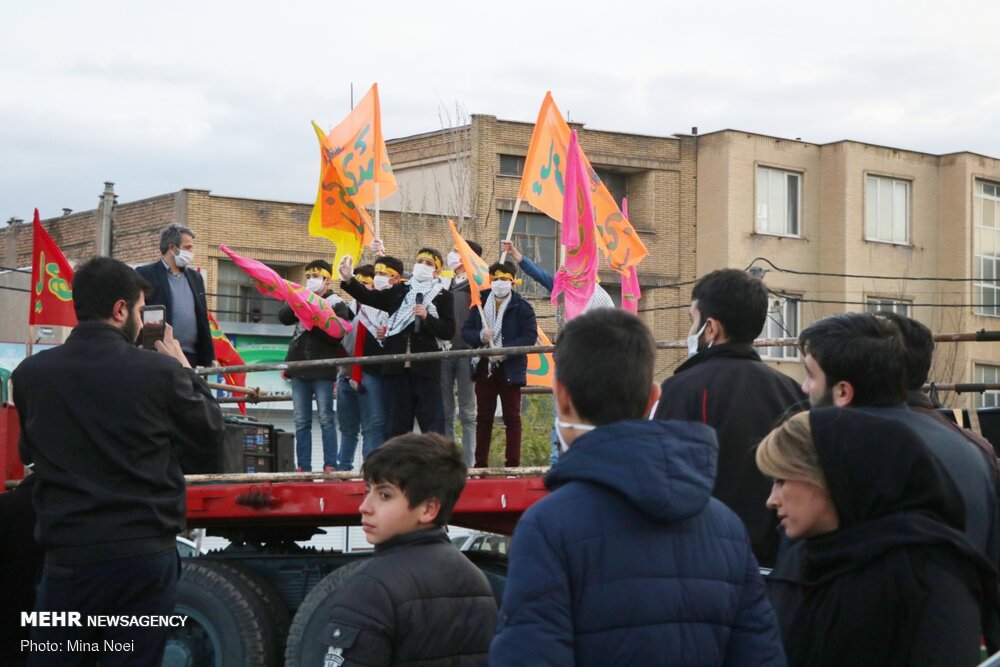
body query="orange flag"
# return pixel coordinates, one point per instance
(227, 355)
(540, 366)
(544, 182)
(51, 282)
(357, 148)
(476, 269)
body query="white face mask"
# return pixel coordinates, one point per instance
(422, 273)
(315, 285)
(381, 282)
(560, 424)
(454, 260)
(693, 340)
(183, 257)
(501, 288)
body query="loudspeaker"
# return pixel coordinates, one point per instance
(249, 446)
(284, 447)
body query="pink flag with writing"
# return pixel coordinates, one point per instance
(630, 282)
(311, 309)
(576, 278)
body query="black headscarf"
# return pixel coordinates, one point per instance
(865, 585)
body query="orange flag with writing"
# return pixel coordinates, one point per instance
(51, 282)
(227, 355)
(544, 182)
(541, 367)
(476, 269)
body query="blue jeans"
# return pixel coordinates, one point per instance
(458, 371)
(359, 412)
(302, 399)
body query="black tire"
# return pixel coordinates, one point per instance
(310, 619)
(226, 623)
(277, 617)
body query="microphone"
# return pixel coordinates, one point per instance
(416, 320)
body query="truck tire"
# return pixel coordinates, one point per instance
(224, 625)
(276, 617)
(312, 616)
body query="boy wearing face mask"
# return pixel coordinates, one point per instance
(421, 318)
(455, 378)
(510, 322)
(308, 345)
(724, 383)
(180, 289)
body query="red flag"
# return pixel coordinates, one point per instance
(51, 282)
(227, 355)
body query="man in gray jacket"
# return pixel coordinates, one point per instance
(458, 371)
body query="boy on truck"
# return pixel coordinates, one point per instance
(419, 599)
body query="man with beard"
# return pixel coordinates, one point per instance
(104, 425)
(859, 360)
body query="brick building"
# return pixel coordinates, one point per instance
(849, 210)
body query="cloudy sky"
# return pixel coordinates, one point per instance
(219, 95)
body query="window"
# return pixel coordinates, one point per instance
(782, 322)
(898, 306)
(511, 165)
(988, 375)
(537, 237)
(986, 260)
(237, 300)
(887, 210)
(616, 183)
(778, 197)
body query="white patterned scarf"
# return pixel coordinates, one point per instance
(494, 322)
(403, 316)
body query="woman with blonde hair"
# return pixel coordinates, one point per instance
(881, 573)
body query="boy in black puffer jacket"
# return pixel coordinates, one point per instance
(418, 600)
(307, 345)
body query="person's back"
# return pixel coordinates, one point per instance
(727, 386)
(629, 560)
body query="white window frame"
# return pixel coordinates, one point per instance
(766, 217)
(902, 307)
(986, 248)
(887, 197)
(987, 373)
(784, 320)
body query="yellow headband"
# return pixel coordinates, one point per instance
(503, 275)
(427, 255)
(322, 272)
(382, 268)
(364, 280)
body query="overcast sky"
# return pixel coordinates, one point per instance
(219, 95)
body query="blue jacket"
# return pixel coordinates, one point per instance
(518, 328)
(630, 561)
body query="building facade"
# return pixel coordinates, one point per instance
(850, 226)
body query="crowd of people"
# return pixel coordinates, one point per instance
(874, 519)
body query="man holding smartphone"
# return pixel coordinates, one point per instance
(180, 289)
(105, 426)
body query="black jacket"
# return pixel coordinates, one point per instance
(107, 425)
(729, 388)
(431, 329)
(22, 560)
(156, 275)
(418, 601)
(462, 295)
(313, 343)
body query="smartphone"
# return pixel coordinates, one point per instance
(153, 326)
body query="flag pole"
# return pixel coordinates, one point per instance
(28, 349)
(378, 230)
(510, 228)
(482, 318)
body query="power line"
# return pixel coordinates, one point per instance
(861, 275)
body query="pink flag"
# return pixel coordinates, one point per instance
(630, 282)
(311, 309)
(578, 275)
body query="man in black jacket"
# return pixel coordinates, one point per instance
(181, 290)
(725, 384)
(308, 345)
(421, 319)
(102, 423)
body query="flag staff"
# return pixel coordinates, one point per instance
(510, 228)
